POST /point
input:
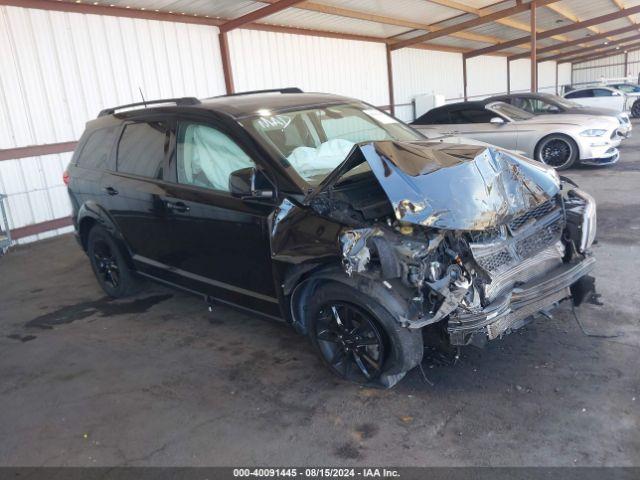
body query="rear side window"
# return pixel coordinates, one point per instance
(97, 149)
(580, 94)
(142, 148)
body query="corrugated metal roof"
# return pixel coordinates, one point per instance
(420, 12)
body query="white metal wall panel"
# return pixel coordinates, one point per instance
(270, 59)
(486, 75)
(593, 71)
(520, 75)
(418, 72)
(547, 77)
(634, 64)
(58, 70)
(564, 74)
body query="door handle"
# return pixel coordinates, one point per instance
(177, 207)
(111, 190)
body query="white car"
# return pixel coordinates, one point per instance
(631, 90)
(601, 97)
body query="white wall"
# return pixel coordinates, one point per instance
(418, 72)
(486, 76)
(564, 74)
(58, 70)
(593, 71)
(316, 64)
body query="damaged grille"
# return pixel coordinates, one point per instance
(530, 234)
(537, 213)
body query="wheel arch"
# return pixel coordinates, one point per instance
(91, 214)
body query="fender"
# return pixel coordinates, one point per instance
(92, 210)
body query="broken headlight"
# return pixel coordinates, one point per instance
(582, 204)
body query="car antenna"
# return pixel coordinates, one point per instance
(142, 95)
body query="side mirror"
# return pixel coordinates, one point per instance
(250, 183)
(553, 109)
(497, 120)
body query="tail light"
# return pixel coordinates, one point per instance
(66, 177)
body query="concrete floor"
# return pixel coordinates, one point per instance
(157, 380)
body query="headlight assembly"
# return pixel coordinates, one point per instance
(589, 220)
(593, 132)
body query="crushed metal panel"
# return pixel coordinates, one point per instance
(457, 186)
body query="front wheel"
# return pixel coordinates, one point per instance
(357, 338)
(557, 151)
(635, 109)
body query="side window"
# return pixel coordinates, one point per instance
(96, 150)
(523, 103)
(580, 94)
(206, 157)
(602, 92)
(141, 149)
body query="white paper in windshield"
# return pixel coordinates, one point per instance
(379, 116)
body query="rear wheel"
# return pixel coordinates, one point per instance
(109, 265)
(557, 151)
(635, 109)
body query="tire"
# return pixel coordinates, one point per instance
(557, 151)
(371, 348)
(635, 109)
(109, 265)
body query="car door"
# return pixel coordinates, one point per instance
(133, 191)
(219, 243)
(607, 98)
(476, 123)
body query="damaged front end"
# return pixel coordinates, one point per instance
(478, 238)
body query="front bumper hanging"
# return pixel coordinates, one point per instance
(513, 310)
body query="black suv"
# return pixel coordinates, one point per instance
(330, 214)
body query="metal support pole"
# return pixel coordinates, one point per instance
(626, 64)
(508, 76)
(392, 106)
(226, 63)
(464, 76)
(556, 78)
(534, 60)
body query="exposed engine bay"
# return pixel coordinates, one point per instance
(496, 243)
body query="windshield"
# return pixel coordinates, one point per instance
(509, 111)
(314, 141)
(562, 102)
(627, 88)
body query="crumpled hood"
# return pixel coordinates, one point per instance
(456, 187)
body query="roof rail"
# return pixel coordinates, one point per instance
(177, 101)
(268, 90)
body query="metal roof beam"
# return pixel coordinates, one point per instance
(257, 14)
(555, 31)
(593, 48)
(572, 43)
(491, 17)
(603, 53)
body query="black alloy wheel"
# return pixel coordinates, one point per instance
(109, 265)
(635, 109)
(350, 341)
(106, 264)
(557, 151)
